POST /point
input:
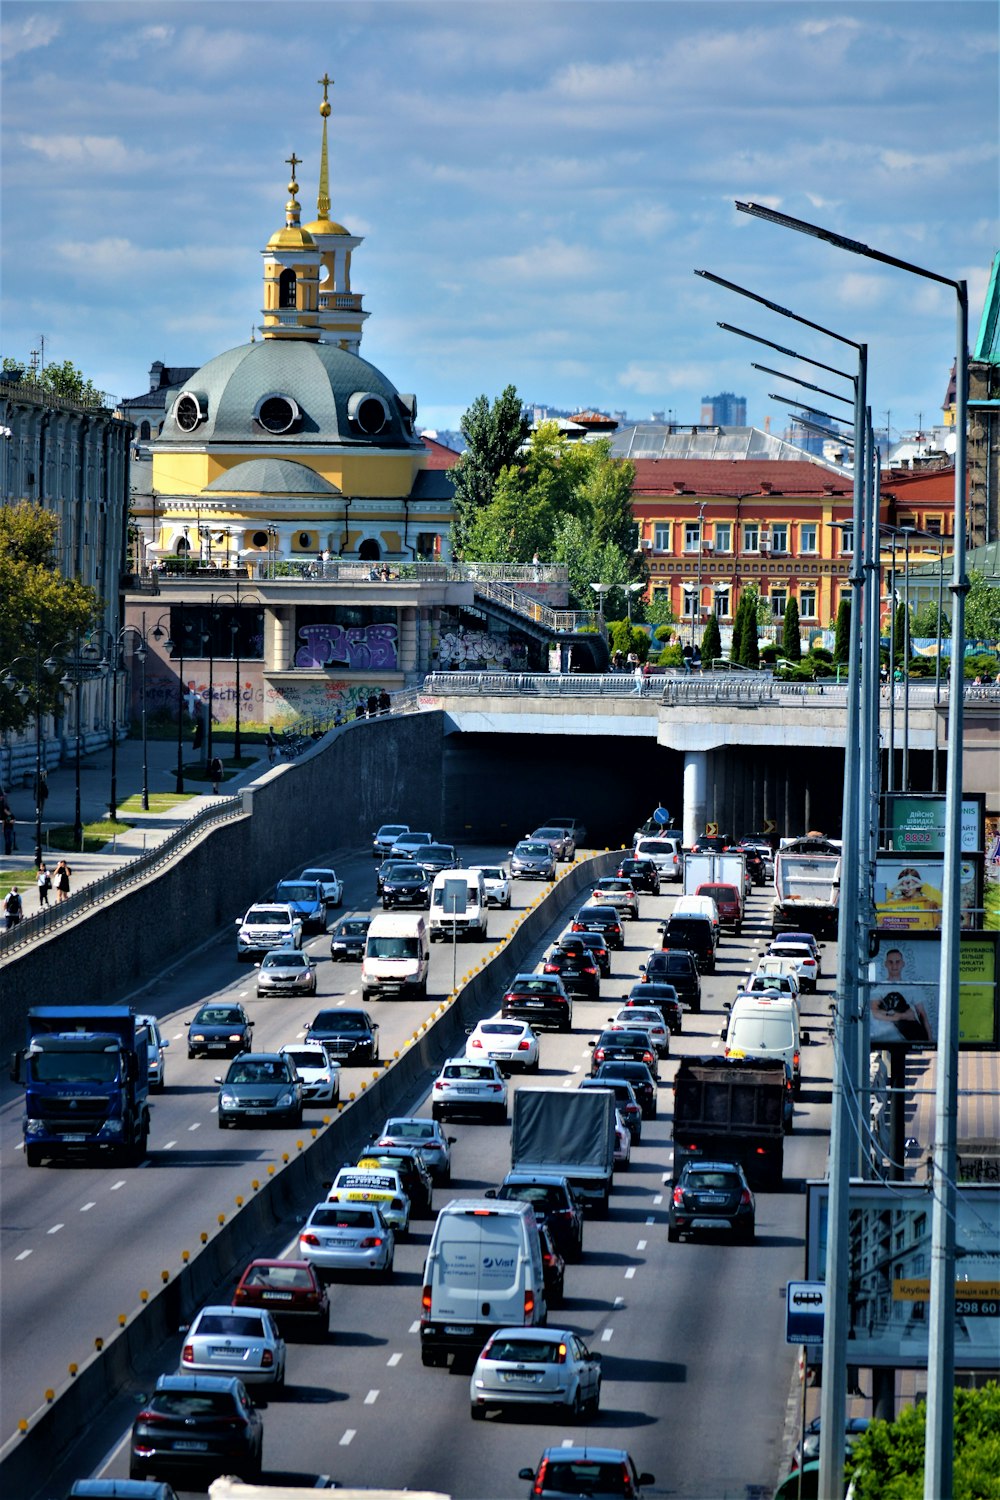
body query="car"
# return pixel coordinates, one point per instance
(496, 882)
(553, 1267)
(638, 1074)
(157, 1062)
(599, 950)
(286, 971)
(306, 899)
(219, 1028)
(812, 943)
(574, 963)
(622, 1044)
(260, 1088)
(319, 1074)
(712, 1195)
(600, 917)
(623, 1143)
(414, 1174)
(768, 982)
(197, 1423)
(222, 1340)
(330, 884)
(806, 966)
(385, 869)
(710, 843)
(643, 874)
(754, 860)
(599, 1473)
(573, 826)
(267, 926)
(427, 1135)
(540, 999)
(350, 1036)
(537, 1367)
(532, 859)
(511, 1042)
(347, 940)
(808, 1451)
(619, 892)
(467, 1088)
(291, 1292)
(406, 884)
(626, 1102)
(347, 1237)
(410, 845)
(383, 840)
(560, 840)
(555, 1205)
(381, 1186)
(664, 998)
(667, 853)
(437, 857)
(678, 967)
(646, 1018)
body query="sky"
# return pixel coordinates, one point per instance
(535, 183)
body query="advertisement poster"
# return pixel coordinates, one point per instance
(991, 875)
(904, 997)
(889, 1263)
(917, 824)
(908, 893)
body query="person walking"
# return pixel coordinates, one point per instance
(215, 773)
(384, 702)
(44, 882)
(61, 880)
(272, 746)
(9, 832)
(13, 907)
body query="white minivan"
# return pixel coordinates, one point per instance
(483, 1272)
(458, 904)
(666, 854)
(397, 956)
(766, 1026)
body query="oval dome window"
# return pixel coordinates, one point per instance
(368, 412)
(277, 413)
(188, 411)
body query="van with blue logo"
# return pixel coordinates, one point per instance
(483, 1272)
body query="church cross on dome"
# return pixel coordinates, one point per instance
(326, 82)
(293, 161)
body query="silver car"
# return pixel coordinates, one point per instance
(286, 971)
(347, 1237)
(427, 1135)
(533, 859)
(537, 1367)
(235, 1341)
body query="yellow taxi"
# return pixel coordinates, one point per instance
(374, 1184)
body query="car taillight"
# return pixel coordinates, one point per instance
(371, 1242)
(589, 969)
(496, 1088)
(476, 1042)
(745, 1198)
(795, 1059)
(524, 1046)
(187, 1354)
(560, 1358)
(425, 1300)
(152, 1418)
(538, 1488)
(308, 1239)
(551, 969)
(529, 1305)
(647, 1058)
(267, 1358)
(598, 1054)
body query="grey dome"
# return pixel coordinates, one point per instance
(270, 476)
(321, 386)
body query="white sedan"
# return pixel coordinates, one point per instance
(328, 881)
(319, 1073)
(511, 1042)
(643, 1018)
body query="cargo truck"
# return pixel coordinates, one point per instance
(731, 1110)
(806, 886)
(86, 1083)
(568, 1132)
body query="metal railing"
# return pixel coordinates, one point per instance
(270, 567)
(749, 687)
(556, 621)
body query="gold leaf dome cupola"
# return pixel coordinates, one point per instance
(291, 275)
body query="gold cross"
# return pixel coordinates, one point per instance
(293, 161)
(326, 82)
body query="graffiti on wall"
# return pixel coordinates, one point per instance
(455, 647)
(261, 703)
(364, 648)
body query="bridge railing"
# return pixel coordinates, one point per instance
(736, 688)
(559, 621)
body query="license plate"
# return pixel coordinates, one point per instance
(532, 1004)
(503, 1056)
(466, 1088)
(223, 1351)
(216, 1046)
(458, 1330)
(187, 1445)
(278, 1296)
(255, 1111)
(522, 1377)
(72, 1137)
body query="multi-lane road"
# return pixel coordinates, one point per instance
(696, 1371)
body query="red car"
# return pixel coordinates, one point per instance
(290, 1290)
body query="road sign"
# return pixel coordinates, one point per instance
(456, 897)
(661, 816)
(712, 830)
(805, 1309)
(769, 825)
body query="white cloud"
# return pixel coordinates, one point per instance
(132, 45)
(552, 261)
(107, 153)
(654, 379)
(33, 32)
(120, 257)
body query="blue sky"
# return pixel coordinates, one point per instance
(535, 183)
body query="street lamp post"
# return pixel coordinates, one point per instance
(631, 589)
(234, 630)
(74, 679)
(180, 703)
(696, 602)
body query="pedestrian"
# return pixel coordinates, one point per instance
(61, 880)
(338, 717)
(536, 563)
(384, 702)
(372, 704)
(13, 907)
(44, 884)
(637, 674)
(359, 710)
(272, 746)
(215, 773)
(9, 832)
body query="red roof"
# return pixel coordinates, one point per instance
(441, 457)
(921, 486)
(735, 478)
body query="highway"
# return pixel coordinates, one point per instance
(696, 1371)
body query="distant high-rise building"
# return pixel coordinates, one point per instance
(724, 410)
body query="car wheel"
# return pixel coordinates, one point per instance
(502, 1114)
(477, 1412)
(436, 1112)
(534, 1067)
(191, 1055)
(673, 1235)
(33, 1156)
(749, 1234)
(578, 1409)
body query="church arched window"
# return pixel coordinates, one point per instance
(286, 289)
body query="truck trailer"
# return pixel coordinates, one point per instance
(728, 1109)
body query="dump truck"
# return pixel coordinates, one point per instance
(732, 1109)
(807, 886)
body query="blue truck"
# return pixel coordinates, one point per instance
(85, 1073)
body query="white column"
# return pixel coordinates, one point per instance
(695, 795)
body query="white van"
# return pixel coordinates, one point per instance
(483, 1272)
(397, 956)
(766, 1026)
(470, 888)
(699, 906)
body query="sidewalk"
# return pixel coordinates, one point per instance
(148, 828)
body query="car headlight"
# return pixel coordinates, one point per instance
(227, 1101)
(284, 1102)
(197, 1036)
(34, 1127)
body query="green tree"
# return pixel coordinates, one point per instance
(711, 642)
(67, 381)
(982, 609)
(791, 637)
(41, 614)
(754, 606)
(658, 611)
(842, 632)
(513, 526)
(887, 1461)
(900, 642)
(494, 434)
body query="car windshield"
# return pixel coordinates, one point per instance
(339, 1021)
(536, 1193)
(548, 833)
(500, 1028)
(324, 877)
(702, 1181)
(267, 916)
(303, 892)
(413, 840)
(406, 872)
(527, 1351)
(613, 883)
(491, 872)
(411, 1130)
(532, 986)
(218, 1015)
(57, 1066)
(393, 947)
(437, 851)
(256, 1070)
(291, 960)
(391, 830)
(580, 1477)
(285, 1276)
(242, 1325)
(192, 1404)
(542, 850)
(468, 1070)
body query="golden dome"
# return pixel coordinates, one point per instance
(326, 226)
(292, 237)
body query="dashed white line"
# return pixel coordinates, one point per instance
(650, 1220)
(86, 1207)
(168, 1146)
(630, 1273)
(641, 1245)
(195, 1126)
(619, 1302)
(657, 1198)
(23, 1255)
(371, 1398)
(348, 1437)
(606, 1335)
(393, 1360)
(414, 1327)
(119, 1184)
(55, 1229)
(567, 1443)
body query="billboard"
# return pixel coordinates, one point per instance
(908, 893)
(915, 824)
(904, 991)
(888, 1278)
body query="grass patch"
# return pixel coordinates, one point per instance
(25, 882)
(95, 836)
(158, 801)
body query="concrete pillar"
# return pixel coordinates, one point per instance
(407, 639)
(695, 794)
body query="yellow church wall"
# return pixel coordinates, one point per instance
(375, 475)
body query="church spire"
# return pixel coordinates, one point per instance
(323, 200)
(341, 315)
(291, 273)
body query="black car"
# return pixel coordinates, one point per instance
(347, 940)
(555, 1204)
(695, 934)
(437, 857)
(623, 1045)
(349, 1036)
(639, 1075)
(710, 843)
(599, 917)
(205, 1423)
(600, 953)
(666, 1000)
(418, 1185)
(576, 967)
(678, 967)
(540, 999)
(386, 868)
(219, 1030)
(712, 1195)
(406, 884)
(626, 1102)
(643, 874)
(553, 1265)
(754, 863)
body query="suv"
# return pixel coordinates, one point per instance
(576, 966)
(555, 1205)
(469, 1088)
(675, 966)
(406, 884)
(496, 883)
(623, 1045)
(383, 840)
(602, 1472)
(265, 927)
(619, 892)
(349, 1036)
(541, 999)
(712, 1194)
(643, 874)
(306, 899)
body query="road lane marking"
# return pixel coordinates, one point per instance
(641, 1245)
(86, 1207)
(195, 1126)
(348, 1437)
(55, 1229)
(393, 1360)
(619, 1302)
(567, 1443)
(414, 1327)
(657, 1197)
(169, 1145)
(371, 1398)
(23, 1255)
(119, 1184)
(606, 1335)
(630, 1273)
(650, 1220)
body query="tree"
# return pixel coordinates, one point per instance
(494, 435)
(982, 609)
(927, 620)
(791, 639)
(67, 381)
(658, 611)
(711, 642)
(752, 603)
(842, 632)
(513, 526)
(902, 641)
(887, 1461)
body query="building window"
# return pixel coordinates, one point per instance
(286, 289)
(692, 536)
(723, 536)
(807, 537)
(661, 591)
(661, 536)
(690, 600)
(807, 604)
(144, 432)
(779, 537)
(846, 540)
(779, 598)
(722, 598)
(751, 537)
(933, 525)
